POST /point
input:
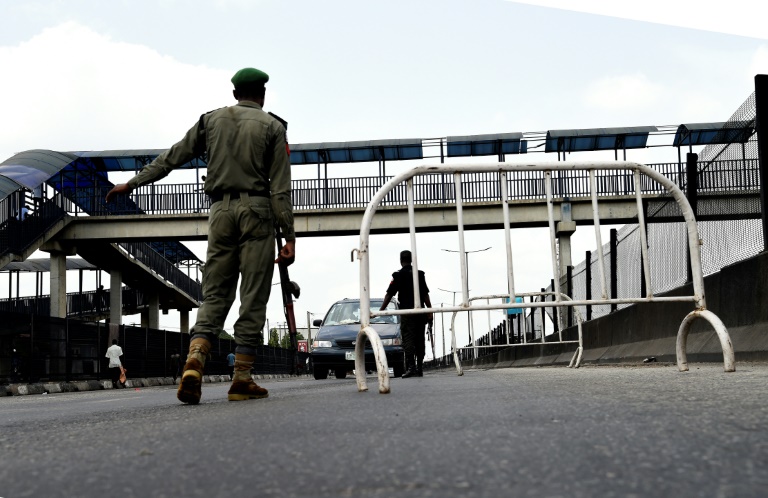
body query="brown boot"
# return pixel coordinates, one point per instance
(243, 386)
(191, 385)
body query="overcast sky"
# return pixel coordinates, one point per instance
(94, 75)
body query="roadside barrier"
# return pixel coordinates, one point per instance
(575, 360)
(638, 177)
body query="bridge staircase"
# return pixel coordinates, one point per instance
(78, 191)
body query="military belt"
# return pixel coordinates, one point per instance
(219, 196)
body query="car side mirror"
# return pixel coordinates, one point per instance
(317, 323)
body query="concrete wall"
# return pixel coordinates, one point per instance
(738, 295)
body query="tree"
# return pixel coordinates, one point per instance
(274, 340)
(285, 342)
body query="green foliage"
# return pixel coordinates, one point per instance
(285, 341)
(274, 340)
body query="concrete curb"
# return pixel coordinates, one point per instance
(97, 385)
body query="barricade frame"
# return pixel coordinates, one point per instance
(546, 168)
(575, 360)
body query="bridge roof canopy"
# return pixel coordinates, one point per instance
(30, 169)
(590, 139)
(44, 265)
(486, 145)
(714, 133)
(359, 151)
(126, 160)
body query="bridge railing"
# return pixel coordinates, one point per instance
(431, 188)
(79, 304)
(639, 176)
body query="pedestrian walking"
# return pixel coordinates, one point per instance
(231, 362)
(249, 183)
(411, 326)
(175, 366)
(114, 352)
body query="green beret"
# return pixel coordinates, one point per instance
(249, 76)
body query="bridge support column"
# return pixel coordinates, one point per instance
(58, 284)
(116, 297)
(153, 317)
(184, 321)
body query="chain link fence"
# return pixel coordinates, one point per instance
(729, 227)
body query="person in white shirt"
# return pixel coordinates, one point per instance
(114, 353)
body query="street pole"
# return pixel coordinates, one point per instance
(454, 304)
(442, 327)
(469, 313)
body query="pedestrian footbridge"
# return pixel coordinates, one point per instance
(54, 201)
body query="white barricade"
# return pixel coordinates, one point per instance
(575, 360)
(640, 173)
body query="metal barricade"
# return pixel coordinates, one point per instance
(575, 360)
(640, 175)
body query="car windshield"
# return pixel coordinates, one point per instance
(347, 313)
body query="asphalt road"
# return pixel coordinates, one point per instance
(595, 431)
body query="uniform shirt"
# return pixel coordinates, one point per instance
(247, 152)
(402, 284)
(231, 360)
(114, 353)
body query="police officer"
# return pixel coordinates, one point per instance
(249, 183)
(411, 326)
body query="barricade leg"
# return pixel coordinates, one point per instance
(722, 333)
(382, 369)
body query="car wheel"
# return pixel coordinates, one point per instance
(341, 373)
(398, 369)
(320, 373)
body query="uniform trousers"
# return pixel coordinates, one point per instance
(412, 330)
(240, 244)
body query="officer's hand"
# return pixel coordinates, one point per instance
(287, 254)
(123, 188)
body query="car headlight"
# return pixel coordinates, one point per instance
(391, 342)
(322, 344)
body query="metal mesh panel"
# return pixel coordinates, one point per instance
(602, 309)
(744, 115)
(667, 254)
(628, 266)
(579, 283)
(728, 242)
(734, 235)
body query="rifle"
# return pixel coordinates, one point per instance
(289, 290)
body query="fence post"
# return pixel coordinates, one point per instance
(30, 361)
(98, 351)
(588, 294)
(67, 358)
(555, 313)
(543, 317)
(692, 193)
(761, 125)
(614, 267)
(569, 291)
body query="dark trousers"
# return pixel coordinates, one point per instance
(115, 371)
(412, 330)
